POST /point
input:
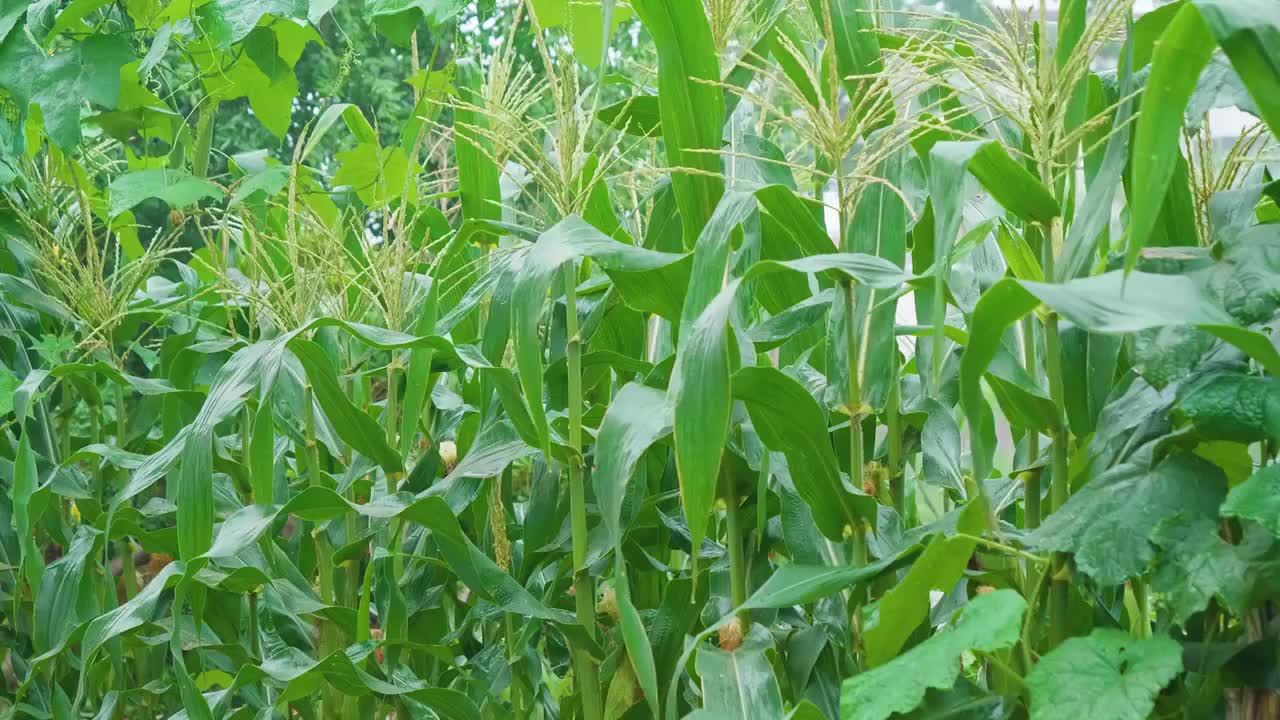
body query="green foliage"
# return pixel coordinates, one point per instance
(1105, 675)
(557, 360)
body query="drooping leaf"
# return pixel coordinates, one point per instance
(1249, 33)
(700, 397)
(791, 422)
(904, 607)
(638, 417)
(794, 584)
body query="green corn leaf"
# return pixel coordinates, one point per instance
(262, 460)
(194, 494)
(638, 417)
(691, 106)
(639, 650)
(28, 506)
(903, 608)
(477, 174)
(1182, 52)
(794, 584)
(356, 427)
(791, 422)
(739, 683)
(649, 279)
(61, 601)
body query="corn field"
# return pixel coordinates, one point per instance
(604, 360)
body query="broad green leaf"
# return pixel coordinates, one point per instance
(1109, 522)
(988, 623)
(1105, 676)
(1230, 405)
(62, 81)
(1257, 499)
(1197, 565)
(791, 422)
(1109, 303)
(903, 608)
(1181, 53)
(227, 22)
(177, 188)
(378, 175)
(739, 683)
(398, 18)
(690, 104)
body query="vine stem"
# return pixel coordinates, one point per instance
(583, 585)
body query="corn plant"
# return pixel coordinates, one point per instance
(756, 359)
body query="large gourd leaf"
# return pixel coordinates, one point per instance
(1105, 676)
(1108, 523)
